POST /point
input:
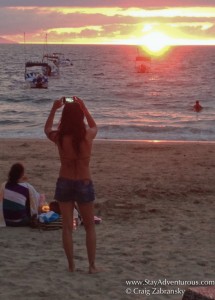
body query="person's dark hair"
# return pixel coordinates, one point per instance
(15, 173)
(72, 123)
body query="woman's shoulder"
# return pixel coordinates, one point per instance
(25, 184)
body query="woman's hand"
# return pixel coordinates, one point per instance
(90, 120)
(58, 103)
(81, 103)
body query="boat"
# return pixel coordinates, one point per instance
(62, 60)
(55, 60)
(34, 74)
(142, 64)
(53, 69)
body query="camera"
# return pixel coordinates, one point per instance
(68, 99)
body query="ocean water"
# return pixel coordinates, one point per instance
(125, 104)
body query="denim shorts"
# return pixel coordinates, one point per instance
(81, 191)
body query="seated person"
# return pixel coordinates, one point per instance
(20, 199)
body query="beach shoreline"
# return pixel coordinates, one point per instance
(115, 140)
(156, 201)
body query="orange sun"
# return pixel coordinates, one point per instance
(156, 43)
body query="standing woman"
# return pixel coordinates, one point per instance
(74, 184)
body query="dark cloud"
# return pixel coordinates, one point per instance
(107, 3)
(13, 22)
(31, 20)
(37, 22)
(198, 32)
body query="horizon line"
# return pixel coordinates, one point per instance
(103, 44)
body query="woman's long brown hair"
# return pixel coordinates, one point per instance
(72, 123)
(16, 172)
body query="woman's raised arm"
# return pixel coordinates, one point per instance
(49, 122)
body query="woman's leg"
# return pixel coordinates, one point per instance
(87, 214)
(67, 216)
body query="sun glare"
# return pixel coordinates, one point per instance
(156, 43)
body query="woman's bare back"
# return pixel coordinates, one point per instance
(75, 166)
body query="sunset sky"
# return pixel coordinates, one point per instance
(172, 22)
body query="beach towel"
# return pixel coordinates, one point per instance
(34, 199)
(48, 217)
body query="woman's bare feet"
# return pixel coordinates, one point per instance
(72, 268)
(94, 270)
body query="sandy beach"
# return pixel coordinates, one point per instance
(156, 201)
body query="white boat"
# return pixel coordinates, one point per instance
(62, 60)
(53, 69)
(34, 75)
